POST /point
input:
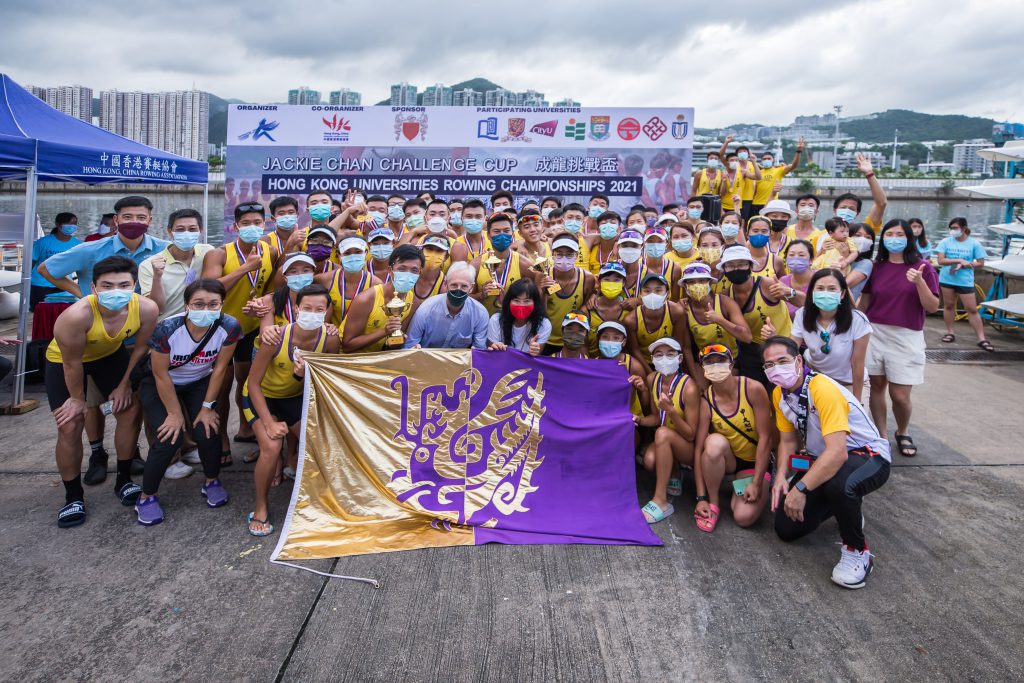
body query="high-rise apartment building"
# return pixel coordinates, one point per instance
(437, 96)
(965, 156)
(500, 98)
(403, 95)
(467, 97)
(303, 95)
(346, 97)
(176, 122)
(73, 100)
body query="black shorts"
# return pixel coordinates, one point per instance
(287, 410)
(244, 348)
(959, 289)
(106, 374)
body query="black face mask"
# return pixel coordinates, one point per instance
(737, 277)
(457, 297)
(779, 224)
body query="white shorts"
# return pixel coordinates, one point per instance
(897, 353)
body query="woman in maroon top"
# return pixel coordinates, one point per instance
(903, 288)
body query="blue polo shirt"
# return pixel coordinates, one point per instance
(82, 258)
(45, 247)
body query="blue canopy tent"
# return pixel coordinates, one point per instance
(40, 144)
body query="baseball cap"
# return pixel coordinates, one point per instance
(666, 218)
(715, 350)
(612, 325)
(736, 253)
(630, 236)
(665, 341)
(381, 232)
(577, 318)
(351, 243)
(437, 241)
(654, 276)
(322, 231)
(292, 259)
(612, 267)
(571, 243)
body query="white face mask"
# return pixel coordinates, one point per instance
(805, 212)
(630, 254)
(666, 365)
(653, 301)
(863, 243)
(955, 233)
(437, 225)
(308, 320)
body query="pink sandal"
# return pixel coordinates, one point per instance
(707, 524)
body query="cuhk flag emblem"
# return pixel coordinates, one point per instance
(629, 128)
(599, 127)
(680, 127)
(516, 130)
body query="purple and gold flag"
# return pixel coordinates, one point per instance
(427, 448)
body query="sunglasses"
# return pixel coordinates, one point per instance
(247, 208)
(826, 337)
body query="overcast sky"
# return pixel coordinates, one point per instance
(733, 62)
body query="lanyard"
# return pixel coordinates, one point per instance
(503, 278)
(254, 276)
(802, 405)
(289, 312)
(343, 286)
(473, 252)
(671, 390)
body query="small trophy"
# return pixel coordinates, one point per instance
(491, 263)
(542, 264)
(395, 308)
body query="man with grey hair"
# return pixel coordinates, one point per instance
(451, 320)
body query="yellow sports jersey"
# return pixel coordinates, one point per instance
(98, 344)
(378, 317)
(473, 251)
(434, 288)
(674, 390)
(813, 238)
(765, 187)
(747, 190)
(275, 241)
(680, 260)
(635, 406)
(646, 337)
(508, 273)
(599, 255)
(768, 269)
(595, 322)
(735, 186)
(710, 184)
(279, 380)
(743, 419)
(711, 333)
(562, 303)
(342, 294)
(250, 286)
(757, 309)
(583, 257)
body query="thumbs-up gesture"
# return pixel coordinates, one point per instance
(767, 329)
(534, 348)
(914, 274)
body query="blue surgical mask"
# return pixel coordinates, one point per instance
(185, 240)
(396, 212)
(608, 230)
(758, 241)
(743, 156)
(250, 234)
(896, 245)
(456, 218)
(473, 226)
(609, 349)
(846, 214)
(766, 163)
(826, 301)
(202, 318)
(287, 221)
(381, 252)
(713, 163)
(573, 226)
(650, 221)
(378, 217)
(682, 246)
(69, 229)
(320, 212)
(353, 263)
(730, 230)
(501, 242)
(114, 299)
(404, 281)
(297, 282)
(694, 214)
(655, 249)
(596, 211)
(415, 221)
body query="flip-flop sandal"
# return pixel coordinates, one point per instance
(987, 345)
(71, 515)
(905, 446)
(128, 494)
(948, 338)
(244, 439)
(654, 514)
(289, 473)
(226, 460)
(675, 487)
(260, 534)
(708, 524)
(251, 457)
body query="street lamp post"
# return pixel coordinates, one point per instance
(835, 143)
(895, 139)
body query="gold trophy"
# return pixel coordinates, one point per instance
(491, 263)
(542, 264)
(395, 309)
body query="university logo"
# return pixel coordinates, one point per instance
(338, 129)
(600, 127)
(487, 128)
(516, 131)
(548, 128)
(629, 129)
(680, 127)
(655, 128)
(410, 126)
(262, 130)
(575, 131)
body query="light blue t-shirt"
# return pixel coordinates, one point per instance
(82, 258)
(42, 249)
(969, 250)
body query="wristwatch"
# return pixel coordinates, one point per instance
(702, 499)
(210, 405)
(792, 293)
(802, 487)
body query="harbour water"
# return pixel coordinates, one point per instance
(89, 207)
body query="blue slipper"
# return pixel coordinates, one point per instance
(654, 514)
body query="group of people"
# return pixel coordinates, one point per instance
(746, 331)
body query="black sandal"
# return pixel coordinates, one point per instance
(987, 345)
(71, 515)
(948, 338)
(128, 494)
(244, 439)
(905, 445)
(226, 460)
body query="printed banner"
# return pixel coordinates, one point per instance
(431, 448)
(633, 155)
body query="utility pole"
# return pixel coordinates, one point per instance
(895, 139)
(835, 143)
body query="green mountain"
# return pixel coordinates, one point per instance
(916, 127)
(479, 84)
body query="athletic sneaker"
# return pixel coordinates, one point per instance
(192, 457)
(179, 470)
(149, 511)
(215, 494)
(853, 568)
